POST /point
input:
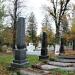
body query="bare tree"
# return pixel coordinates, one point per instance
(46, 27)
(57, 12)
(14, 14)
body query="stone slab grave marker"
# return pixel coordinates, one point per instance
(20, 52)
(38, 46)
(31, 50)
(57, 48)
(44, 47)
(50, 48)
(31, 47)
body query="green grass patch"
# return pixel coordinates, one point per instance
(33, 59)
(7, 59)
(62, 72)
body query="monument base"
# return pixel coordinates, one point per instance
(19, 65)
(43, 57)
(20, 58)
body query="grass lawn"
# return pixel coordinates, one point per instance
(6, 59)
(32, 59)
(62, 72)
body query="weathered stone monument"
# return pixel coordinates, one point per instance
(20, 52)
(62, 46)
(44, 47)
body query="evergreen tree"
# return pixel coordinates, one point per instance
(32, 28)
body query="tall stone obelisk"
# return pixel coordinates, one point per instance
(20, 52)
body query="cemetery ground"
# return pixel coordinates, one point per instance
(6, 59)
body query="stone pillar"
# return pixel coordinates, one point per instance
(73, 44)
(62, 46)
(20, 52)
(44, 47)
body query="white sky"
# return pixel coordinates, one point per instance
(36, 6)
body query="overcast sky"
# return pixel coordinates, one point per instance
(36, 6)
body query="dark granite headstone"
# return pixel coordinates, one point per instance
(62, 46)
(44, 47)
(20, 52)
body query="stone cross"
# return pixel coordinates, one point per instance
(20, 52)
(44, 47)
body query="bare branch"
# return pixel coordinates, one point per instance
(65, 7)
(61, 8)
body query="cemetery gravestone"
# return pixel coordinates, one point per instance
(57, 47)
(39, 46)
(50, 48)
(20, 51)
(31, 47)
(31, 50)
(62, 46)
(44, 47)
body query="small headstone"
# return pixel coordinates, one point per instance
(31, 47)
(57, 48)
(39, 46)
(50, 48)
(4, 48)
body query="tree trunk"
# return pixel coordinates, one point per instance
(57, 36)
(14, 24)
(14, 38)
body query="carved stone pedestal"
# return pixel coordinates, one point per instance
(19, 58)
